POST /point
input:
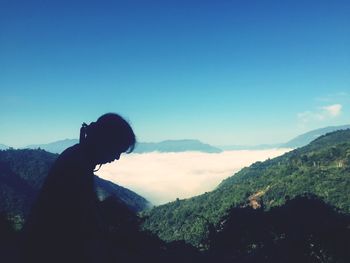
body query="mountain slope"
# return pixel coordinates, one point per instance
(321, 168)
(106, 189)
(308, 137)
(22, 173)
(54, 147)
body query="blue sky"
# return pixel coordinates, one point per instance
(224, 72)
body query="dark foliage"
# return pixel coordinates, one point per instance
(305, 229)
(22, 173)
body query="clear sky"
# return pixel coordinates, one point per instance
(224, 72)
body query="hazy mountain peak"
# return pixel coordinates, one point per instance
(176, 146)
(55, 147)
(308, 137)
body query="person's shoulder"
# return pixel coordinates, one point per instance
(71, 150)
(70, 154)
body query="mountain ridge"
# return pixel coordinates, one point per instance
(176, 146)
(296, 142)
(141, 147)
(305, 138)
(194, 144)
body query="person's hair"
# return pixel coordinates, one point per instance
(110, 129)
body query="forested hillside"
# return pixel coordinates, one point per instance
(321, 168)
(22, 173)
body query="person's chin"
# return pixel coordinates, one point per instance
(106, 161)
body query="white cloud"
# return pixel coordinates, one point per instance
(323, 113)
(163, 177)
(333, 110)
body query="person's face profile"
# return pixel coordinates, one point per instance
(108, 154)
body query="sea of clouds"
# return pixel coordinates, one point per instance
(163, 177)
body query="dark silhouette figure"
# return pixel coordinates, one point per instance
(64, 224)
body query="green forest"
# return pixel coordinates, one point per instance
(321, 168)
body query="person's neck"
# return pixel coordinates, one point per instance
(88, 156)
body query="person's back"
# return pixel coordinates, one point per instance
(64, 215)
(63, 224)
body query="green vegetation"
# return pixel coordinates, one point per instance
(22, 173)
(321, 168)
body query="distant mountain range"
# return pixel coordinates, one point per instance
(176, 146)
(164, 146)
(194, 145)
(296, 142)
(54, 147)
(249, 147)
(22, 173)
(308, 137)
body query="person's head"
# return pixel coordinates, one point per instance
(108, 137)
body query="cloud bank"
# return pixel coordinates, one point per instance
(323, 113)
(163, 177)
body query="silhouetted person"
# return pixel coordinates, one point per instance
(63, 225)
